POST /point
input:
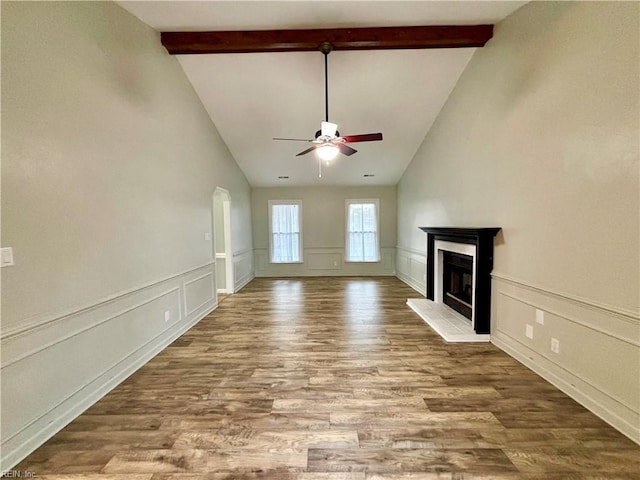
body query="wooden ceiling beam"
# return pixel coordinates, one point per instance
(370, 38)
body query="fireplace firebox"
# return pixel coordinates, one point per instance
(457, 280)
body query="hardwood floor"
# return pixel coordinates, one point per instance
(332, 378)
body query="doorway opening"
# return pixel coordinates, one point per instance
(222, 250)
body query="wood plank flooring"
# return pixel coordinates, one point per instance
(334, 379)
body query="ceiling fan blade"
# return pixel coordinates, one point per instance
(310, 149)
(293, 139)
(328, 129)
(345, 149)
(366, 137)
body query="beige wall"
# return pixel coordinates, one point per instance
(109, 163)
(323, 216)
(540, 137)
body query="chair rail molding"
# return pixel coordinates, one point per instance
(596, 362)
(110, 340)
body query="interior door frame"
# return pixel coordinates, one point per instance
(222, 195)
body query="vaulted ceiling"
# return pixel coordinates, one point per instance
(253, 97)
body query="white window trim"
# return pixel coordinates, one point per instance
(347, 202)
(285, 202)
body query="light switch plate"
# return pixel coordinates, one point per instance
(207, 236)
(167, 315)
(540, 316)
(6, 255)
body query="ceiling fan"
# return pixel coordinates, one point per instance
(328, 142)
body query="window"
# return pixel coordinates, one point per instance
(285, 237)
(362, 231)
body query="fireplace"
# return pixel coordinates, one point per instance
(457, 282)
(459, 264)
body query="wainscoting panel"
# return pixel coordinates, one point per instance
(325, 261)
(388, 260)
(198, 292)
(221, 273)
(411, 266)
(55, 369)
(598, 360)
(243, 270)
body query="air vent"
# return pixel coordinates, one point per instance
(283, 177)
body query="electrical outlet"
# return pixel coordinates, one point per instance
(555, 345)
(207, 236)
(335, 263)
(529, 331)
(167, 315)
(6, 257)
(539, 316)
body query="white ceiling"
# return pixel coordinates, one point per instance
(252, 97)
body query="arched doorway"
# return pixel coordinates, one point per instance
(222, 241)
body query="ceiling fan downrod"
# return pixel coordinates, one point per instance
(328, 142)
(326, 49)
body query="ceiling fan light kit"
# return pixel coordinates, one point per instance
(327, 152)
(328, 142)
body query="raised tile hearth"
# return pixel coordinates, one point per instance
(449, 324)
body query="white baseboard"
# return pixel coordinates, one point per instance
(596, 363)
(418, 287)
(54, 371)
(596, 402)
(64, 413)
(242, 282)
